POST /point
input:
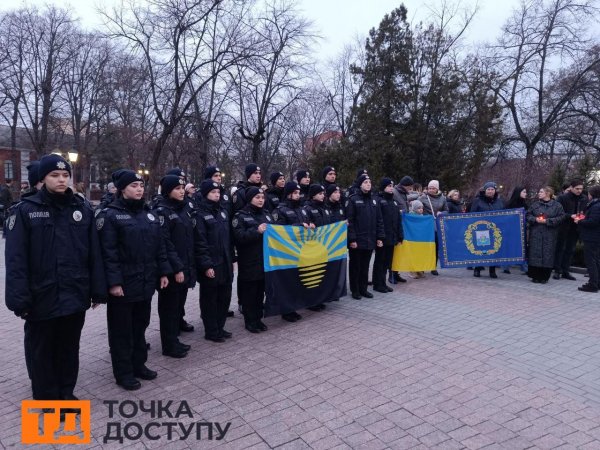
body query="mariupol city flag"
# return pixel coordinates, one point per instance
(417, 251)
(304, 267)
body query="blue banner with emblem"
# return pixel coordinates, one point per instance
(495, 238)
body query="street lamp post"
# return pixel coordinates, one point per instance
(73, 156)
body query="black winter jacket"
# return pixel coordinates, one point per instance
(177, 220)
(215, 244)
(133, 249)
(317, 213)
(589, 228)
(481, 203)
(455, 207)
(249, 242)
(572, 204)
(365, 224)
(53, 261)
(290, 213)
(337, 211)
(390, 214)
(274, 197)
(238, 198)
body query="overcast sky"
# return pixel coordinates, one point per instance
(338, 21)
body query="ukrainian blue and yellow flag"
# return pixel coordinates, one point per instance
(304, 267)
(417, 251)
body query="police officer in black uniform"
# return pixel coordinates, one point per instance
(329, 175)
(253, 179)
(275, 193)
(355, 188)
(53, 274)
(135, 262)
(315, 209)
(333, 203)
(303, 179)
(393, 234)
(176, 215)
(317, 214)
(249, 224)
(365, 233)
(35, 184)
(213, 173)
(215, 261)
(291, 212)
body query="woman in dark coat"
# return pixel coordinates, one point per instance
(543, 217)
(136, 263)
(518, 199)
(455, 204)
(488, 200)
(589, 231)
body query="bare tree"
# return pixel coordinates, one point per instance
(343, 88)
(84, 71)
(176, 42)
(272, 80)
(46, 38)
(541, 36)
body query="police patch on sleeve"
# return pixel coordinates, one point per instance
(161, 219)
(191, 204)
(223, 215)
(11, 221)
(374, 202)
(225, 197)
(99, 223)
(234, 198)
(303, 212)
(150, 217)
(98, 211)
(77, 216)
(234, 222)
(269, 218)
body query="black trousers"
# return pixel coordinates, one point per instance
(565, 247)
(127, 323)
(169, 313)
(539, 273)
(52, 355)
(182, 300)
(383, 263)
(251, 295)
(359, 270)
(591, 254)
(214, 304)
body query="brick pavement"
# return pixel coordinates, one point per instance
(447, 362)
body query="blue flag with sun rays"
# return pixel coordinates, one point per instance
(304, 267)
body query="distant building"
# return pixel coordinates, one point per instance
(325, 139)
(13, 163)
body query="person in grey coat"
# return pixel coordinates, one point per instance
(434, 203)
(543, 218)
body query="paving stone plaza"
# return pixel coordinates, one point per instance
(445, 362)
